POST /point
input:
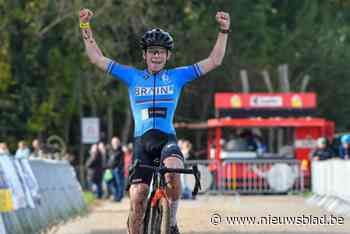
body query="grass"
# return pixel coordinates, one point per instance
(307, 194)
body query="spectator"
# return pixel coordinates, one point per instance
(323, 150)
(180, 143)
(116, 164)
(36, 149)
(236, 143)
(261, 146)
(103, 150)
(95, 168)
(68, 157)
(248, 136)
(186, 149)
(344, 148)
(127, 159)
(4, 149)
(23, 151)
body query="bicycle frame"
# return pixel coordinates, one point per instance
(158, 185)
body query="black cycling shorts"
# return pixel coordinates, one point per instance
(152, 145)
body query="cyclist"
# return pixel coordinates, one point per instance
(154, 93)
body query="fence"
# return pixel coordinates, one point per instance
(250, 176)
(43, 193)
(331, 186)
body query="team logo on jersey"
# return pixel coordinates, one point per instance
(165, 78)
(150, 91)
(146, 76)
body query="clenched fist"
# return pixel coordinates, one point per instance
(223, 19)
(85, 15)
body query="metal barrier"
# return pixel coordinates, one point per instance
(52, 195)
(331, 186)
(250, 176)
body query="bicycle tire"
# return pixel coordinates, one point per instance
(158, 218)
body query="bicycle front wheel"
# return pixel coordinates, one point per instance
(158, 218)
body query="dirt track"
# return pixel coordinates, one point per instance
(194, 216)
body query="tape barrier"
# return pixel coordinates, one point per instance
(37, 194)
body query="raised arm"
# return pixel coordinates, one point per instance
(217, 54)
(93, 51)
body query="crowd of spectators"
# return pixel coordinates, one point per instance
(37, 150)
(107, 169)
(338, 148)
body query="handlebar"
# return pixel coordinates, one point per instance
(163, 170)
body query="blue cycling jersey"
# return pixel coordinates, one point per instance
(154, 97)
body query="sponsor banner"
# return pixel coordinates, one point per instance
(6, 203)
(265, 100)
(90, 130)
(2, 226)
(30, 180)
(257, 101)
(154, 112)
(158, 91)
(11, 177)
(22, 178)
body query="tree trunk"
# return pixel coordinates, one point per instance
(67, 124)
(245, 81)
(127, 125)
(82, 146)
(110, 120)
(267, 81)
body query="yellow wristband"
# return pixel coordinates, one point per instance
(84, 25)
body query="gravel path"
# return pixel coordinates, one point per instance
(194, 217)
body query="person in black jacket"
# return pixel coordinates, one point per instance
(323, 151)
(95, 168)
(116, 164)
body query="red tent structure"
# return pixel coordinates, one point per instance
(294, 112)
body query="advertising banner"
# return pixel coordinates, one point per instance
(11, 177)
(90, 130)
(6, 203)
(22, 178)
(30, 180)
(265, 101)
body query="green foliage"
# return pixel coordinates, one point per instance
(44, 71)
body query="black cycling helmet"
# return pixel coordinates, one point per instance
(157, 37)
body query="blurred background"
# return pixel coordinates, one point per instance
(47, 83)
(52, 99)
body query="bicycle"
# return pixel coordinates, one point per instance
(157, 214)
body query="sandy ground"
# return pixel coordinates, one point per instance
(194, 217)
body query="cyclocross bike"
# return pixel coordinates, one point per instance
(157, 215)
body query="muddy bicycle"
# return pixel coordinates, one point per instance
(157, 214)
